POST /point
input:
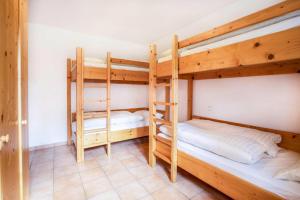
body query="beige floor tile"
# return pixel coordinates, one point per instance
(168, 193)
(43, 188)
(38, 177)
(66, 182)
(108, 195)
(141, 171)
(113, 167)
(122, 155)
(70, 193)
(153, 183)
(204, 196)
(132, 162)
(132, 191)
(148, 197)
(65, 170)
(91, 174)
(188, 187)
(121, 178)
(88, 164)
(43, 197)
(97, 186)
(70, 160)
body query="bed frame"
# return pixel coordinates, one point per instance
(277, 53)
(81, 74)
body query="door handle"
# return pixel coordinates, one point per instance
(3, 139)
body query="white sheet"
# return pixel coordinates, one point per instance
(277, 27)
(261, 173)
(117, 117)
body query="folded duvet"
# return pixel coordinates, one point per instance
(235, 147)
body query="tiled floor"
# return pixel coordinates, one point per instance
(56, 175)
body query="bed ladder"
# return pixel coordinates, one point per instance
(108, 78)
(173, 105)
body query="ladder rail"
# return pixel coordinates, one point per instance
(108, 98)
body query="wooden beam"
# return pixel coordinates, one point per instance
(93, 73)
(289, 140)
(167, 99)
(190, 99)
(130, 62)
(255, 70)
(108, 75)
(79, 105)
(174, 108)
(152, 108)
(255, 18)
(69, 115)
(274, 48)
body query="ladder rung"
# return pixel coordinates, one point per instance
(163, 140)
(162, 156)
(162, 85)
(164, 122)
(162, 103)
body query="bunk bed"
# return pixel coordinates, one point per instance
(178, 143)
(88, 129)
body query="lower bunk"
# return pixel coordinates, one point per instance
(257, 179)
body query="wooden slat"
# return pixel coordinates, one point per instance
(79, 104)
(162, 156)
(289, 140)
(108, 76)
(190, 99)
(163, 121)
(130, 62)
(157, 103)
(69, 114)
(162, 85)
(254, 70)
(174, 108)
(93, 73)
(163, 140)
(274, 48)
(152, 109)
(255, 18)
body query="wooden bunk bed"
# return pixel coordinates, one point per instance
(276, 53)
(85, 75)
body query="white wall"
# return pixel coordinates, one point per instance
(267, 101)
(48, 49)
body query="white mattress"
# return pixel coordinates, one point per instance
(94, 62)
(120, 120)
(277, 27)
(260, 173)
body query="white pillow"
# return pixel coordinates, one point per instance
(291, 173)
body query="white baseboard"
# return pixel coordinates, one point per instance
(46, 146)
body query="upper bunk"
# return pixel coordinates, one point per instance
(122, 70)
(263, 43)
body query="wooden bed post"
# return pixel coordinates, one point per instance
(174, 97)
(69, 115)
(167, 99)
(190, 99)
(108, 103)
(152, 108)
(79, 104)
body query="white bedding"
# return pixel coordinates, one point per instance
(94, 62)
(261, 173)
(236, 147)
(280, 26)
